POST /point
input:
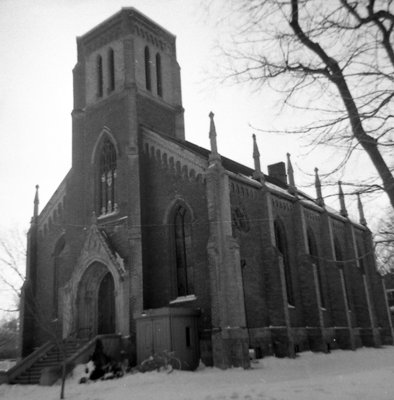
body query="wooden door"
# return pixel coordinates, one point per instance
(106, 305)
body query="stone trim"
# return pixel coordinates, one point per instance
(104, 132)
(96, 249)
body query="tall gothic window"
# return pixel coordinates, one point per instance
(312, 246)
(107, 178)
(148, 82)
(182, 235)
(281, 245)
(111, 70)
(338, 253)
(340, 265)
(158, 75)
(99, 75)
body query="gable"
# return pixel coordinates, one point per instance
(97, 248)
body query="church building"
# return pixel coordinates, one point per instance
(171, 246)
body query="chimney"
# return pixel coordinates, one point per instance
(278, 171)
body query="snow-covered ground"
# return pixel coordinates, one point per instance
(364, 374)
(6, 364)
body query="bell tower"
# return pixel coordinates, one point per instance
(127, 52)
(126, 76)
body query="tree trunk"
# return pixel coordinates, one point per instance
(335, 75)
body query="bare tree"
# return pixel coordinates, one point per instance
(12, 267)
(12, 278)
(51, 327)
(9, 338)
(331, 60)
(384, 244)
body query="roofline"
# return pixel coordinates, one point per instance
(278, 187)
(55, 199)
(151, 21)
(132, 10)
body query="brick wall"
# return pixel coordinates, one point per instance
(46, 327)
(155, 116)
(248, 225)
(161, 186)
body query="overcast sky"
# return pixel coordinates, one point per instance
(38, 52)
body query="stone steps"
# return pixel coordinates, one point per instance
(51, 359)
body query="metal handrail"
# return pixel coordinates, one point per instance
(28, 361)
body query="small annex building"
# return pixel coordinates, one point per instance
(173, 246)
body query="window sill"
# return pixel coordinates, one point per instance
(111, 214)
(290, 305)
(184, 299)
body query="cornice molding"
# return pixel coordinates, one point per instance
(170, 153)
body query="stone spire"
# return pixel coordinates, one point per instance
(361, 210)
(342, 204)
(319, 195)
(212, 137)
(36, 203)
(230, 339)
(290, 174)
(257, 174)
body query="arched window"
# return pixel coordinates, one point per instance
(57, 260)
(313, 251)
(281, 245)
(148, 83)
(340, 264)
(99, 74)
(182, 236)
(107, 178)
(111, 70)
(338, 253)
(158, 75)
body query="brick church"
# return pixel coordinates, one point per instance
(171, 246)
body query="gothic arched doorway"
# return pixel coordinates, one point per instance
(106, 305)
(96, 301)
